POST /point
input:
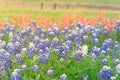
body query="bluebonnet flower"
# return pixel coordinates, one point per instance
(117, 27)
(31, 50)
(24, 50)
(85, 39)
(2, 44)
(56, 31)
(117, 47)
(103, 52)
(19, 58)
(80, 25)
(55, 43)
(109, 43)
(104, 47)
(95, 51)
(51, 33)
(17, 47)
(50, 72)
(36, 39)
(34, 23)
(40, 52)
(93, 56)
(56, 51)
(78, 56)
(118, 68)
(108, 50)
(47, 42)
(24, 67)
(11, 48)
(105, 62)
(38, 31)
(2, 36)
(96, 41)
(16, 75)
(63, 77)
(5, 59)
(116, 62)
(44, 58)
(115, 54)
(36, 68)
(106, 33)
(106, 73)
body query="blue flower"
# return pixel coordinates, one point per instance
(36, 68)
(44, 58)
(106, 73)
(50, 72)
(116, 62)
(63, 77)
(118, 68)
(16, 75)
(105, 62)
(19, 58)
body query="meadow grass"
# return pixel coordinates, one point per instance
(54, 14)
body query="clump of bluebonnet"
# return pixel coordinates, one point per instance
(116, 62)
(63, 77)
(106, 73)
(44, 58)
(16, 75)
(50, 73)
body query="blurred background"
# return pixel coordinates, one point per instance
(61, 4)
(57, 11)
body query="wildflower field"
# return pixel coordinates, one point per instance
(59, 45)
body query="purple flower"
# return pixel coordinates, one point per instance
(19, 58)
(118, 68)
(105, 62)
(117, 27)
(38, 31)
(31, 50)
(78, 56)
(55, 43)
(106, 33)
(85, 39)
(44, 58)
(106, 73)
(50, 72)
(96, 41)
(36, 68)
(63, 77)
(103, 52)
(116, 62)
(16, 75)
